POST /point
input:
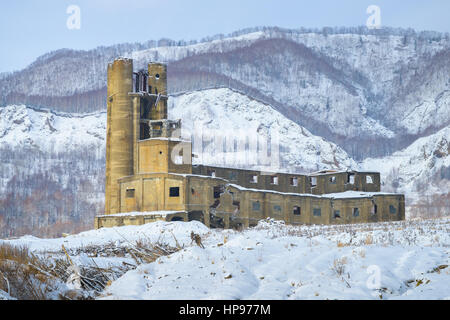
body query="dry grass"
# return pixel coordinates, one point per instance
(341, 244)
(368, 240)
(22, 275)
(26, 276)
(379, 233)
(339, 266)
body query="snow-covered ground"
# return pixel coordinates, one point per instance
(396, 260)
(5, 296)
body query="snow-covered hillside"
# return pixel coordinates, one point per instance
(173, 53)
(421, 168)
(49, 131)
(396, 260)
(233, 115)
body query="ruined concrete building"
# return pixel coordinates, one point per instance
(143, 184)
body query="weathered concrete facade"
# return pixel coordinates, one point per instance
(149, 173)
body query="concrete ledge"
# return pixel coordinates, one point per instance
(138, 218)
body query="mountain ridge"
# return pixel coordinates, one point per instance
(354, 73)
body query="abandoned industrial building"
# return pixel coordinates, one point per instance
(143, 184)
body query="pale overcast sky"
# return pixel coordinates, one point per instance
(30, 28)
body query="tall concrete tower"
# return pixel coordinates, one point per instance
(138, 131)
(119, 131)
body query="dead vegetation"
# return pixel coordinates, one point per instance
(54, 275)
(25, 276)
(379, 233)
(339, 268)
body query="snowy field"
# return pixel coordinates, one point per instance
(393, 260)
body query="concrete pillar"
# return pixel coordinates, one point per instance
(157, 80)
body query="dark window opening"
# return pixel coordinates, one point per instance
(392, 209)
(256, 206)
(145, 131)
(174, 192)
(212, 173)
(277, 208)
(351, 178)
(336, 214)
(130, 193)
(294, 181)
(232, 175)
(144, 84)
(196, 215)
(333, 180)
(140, 81)
(297, 211)
(145, 108)
(157, 76)
(317, 212)
(217, 191)
(192, 191)
(136, 82)
(374, 209)
(356, 212)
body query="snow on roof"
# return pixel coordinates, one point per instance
(327, 172)
(339, 195)
(356, 194)
(196, 175)
(272, 191)
(146, 213)
(166, 139)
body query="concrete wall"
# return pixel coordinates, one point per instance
(152, 192)
(201, 196)
(264, 181)
(325, 183)
(340, 182)
(155, 155)
(118, 221)
(351, 210)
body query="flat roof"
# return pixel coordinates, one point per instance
(338, 195)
